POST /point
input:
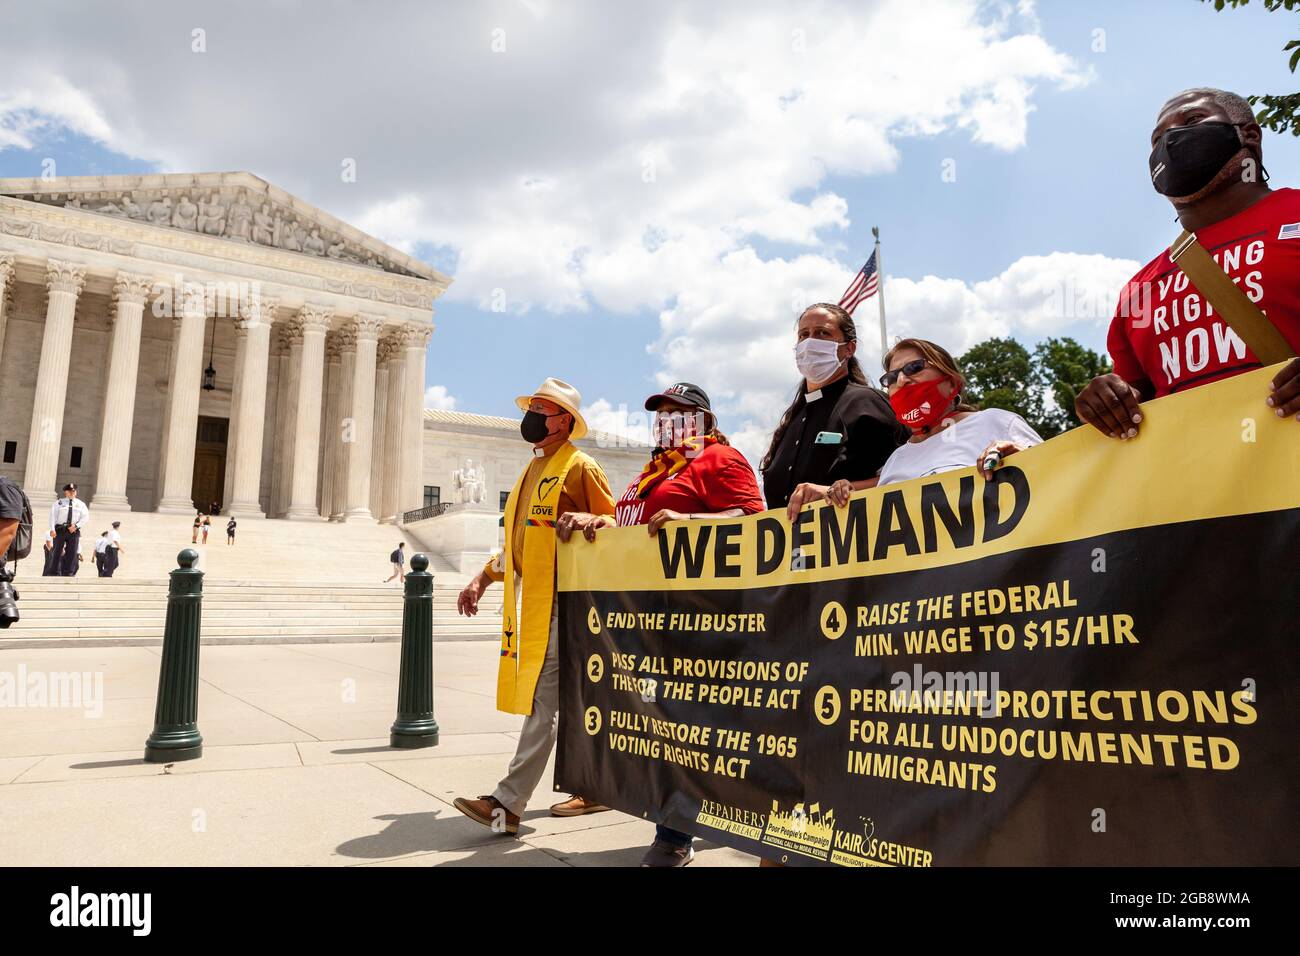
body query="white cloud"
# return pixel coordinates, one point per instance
(606, 157)
(734, 333)
(630, 425)
(436, 397)
(41, 104)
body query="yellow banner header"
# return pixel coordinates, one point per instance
(1230, 453)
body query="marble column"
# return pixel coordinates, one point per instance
(357, 452)
(381, 423)
(341, 425)
(315, 321)
(249, 411)
(415, 343)
(64, 282)
(129, 295)
(232, 433)
(182, 416)
(286, 413)
(330, 452)
(6, 283)
(392, 451)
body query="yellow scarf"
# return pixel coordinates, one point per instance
(523, 642)
(667, 463)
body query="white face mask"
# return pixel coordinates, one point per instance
(816, 359)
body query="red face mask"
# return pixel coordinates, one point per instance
(920, 405)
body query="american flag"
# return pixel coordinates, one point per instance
(863, 286)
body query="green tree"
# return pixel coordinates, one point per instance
(1062, 367)
(1278, 113)
(1039, 386)
(1000, 374)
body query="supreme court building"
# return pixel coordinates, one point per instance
(169, 341)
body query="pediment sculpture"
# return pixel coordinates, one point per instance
(225, 212)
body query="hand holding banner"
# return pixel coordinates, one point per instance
(1089, 660)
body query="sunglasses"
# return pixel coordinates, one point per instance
(909, 369)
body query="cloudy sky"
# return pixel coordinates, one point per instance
(631, 194)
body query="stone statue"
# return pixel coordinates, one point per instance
(128, 209)
(335, 251)
(469, 482)
(186, 214)
(291, 235)
(239, 222)
(160, 211)
(212, 216)
(314, 244)
(264, 226)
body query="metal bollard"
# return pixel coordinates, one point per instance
(415, 726)
(176, 729)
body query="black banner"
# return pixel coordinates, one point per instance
(1045, 695)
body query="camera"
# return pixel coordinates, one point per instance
(8, 597)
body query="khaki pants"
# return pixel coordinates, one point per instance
(538, 734)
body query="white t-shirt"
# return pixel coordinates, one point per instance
(957, 446)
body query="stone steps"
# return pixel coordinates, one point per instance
(89, 611)
(266, 550)
(118, 609)
(284, 582)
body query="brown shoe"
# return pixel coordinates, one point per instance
(490, 812)
(577, 806)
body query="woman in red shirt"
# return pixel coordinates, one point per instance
(693, 473)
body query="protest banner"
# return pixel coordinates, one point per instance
(1089, 660)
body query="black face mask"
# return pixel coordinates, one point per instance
(533, 427)
(1186, 158)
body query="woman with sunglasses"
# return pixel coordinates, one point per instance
(838, 428)
(925, 386)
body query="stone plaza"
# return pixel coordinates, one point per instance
(296, 769)
(171, 342)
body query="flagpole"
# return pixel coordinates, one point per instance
(880, 293)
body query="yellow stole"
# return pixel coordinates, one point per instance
(523, 642)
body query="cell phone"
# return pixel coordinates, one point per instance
(829, 438)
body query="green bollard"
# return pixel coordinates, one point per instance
(176, 717)
(415, 726)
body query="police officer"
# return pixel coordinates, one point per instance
(67, 515)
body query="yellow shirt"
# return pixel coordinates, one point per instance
(585, 489)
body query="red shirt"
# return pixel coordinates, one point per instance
(719, 479)
(1164, 332)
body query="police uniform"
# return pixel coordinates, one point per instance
(67, 515)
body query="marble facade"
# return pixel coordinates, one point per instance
(117, 292)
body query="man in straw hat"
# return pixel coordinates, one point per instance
(562, 488)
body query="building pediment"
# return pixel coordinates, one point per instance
(239, 207)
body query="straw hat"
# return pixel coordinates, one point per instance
(562, 394)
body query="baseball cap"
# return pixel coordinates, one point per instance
(683, 393)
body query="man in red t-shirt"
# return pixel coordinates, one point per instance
(693, 473)
(1166, 337)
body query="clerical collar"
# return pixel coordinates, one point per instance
(539, 452)
(834, 387)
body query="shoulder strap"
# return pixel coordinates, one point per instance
(1241, 315)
